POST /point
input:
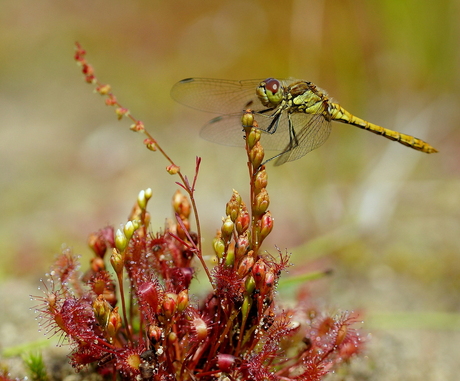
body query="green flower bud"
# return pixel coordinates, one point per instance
(219, 247)
(253, 137)
(121, 241)
(227, 229)
(233, 206)
(142, 200)
(256, 155)
(116, 260)
(261, 180)
(129, 229)
(248, 119)
(261, 202)
(148, 193)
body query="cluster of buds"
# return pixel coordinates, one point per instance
(102, 89)
(262, 221)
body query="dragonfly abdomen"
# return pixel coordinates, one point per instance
(339, 114)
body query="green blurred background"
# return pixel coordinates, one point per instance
(384, 217)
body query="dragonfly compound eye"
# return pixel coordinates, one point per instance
(272, 94)
(272, 85)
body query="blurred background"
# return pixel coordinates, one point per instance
(384, 217)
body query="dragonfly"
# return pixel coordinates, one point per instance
(294, 115)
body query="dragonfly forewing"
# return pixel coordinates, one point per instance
(218, 96)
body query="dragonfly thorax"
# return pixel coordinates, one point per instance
(270, 92)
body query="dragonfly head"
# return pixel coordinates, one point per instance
(270, 92)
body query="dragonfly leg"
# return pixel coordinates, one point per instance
(293, 142)
(271, 129)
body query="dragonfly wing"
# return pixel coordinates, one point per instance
(313, 132)
(224, 129)
(219, 96)
(277, 140)
(227, 130)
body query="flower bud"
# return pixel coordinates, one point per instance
(121, 241)
(243, 220)
(154, 333)
(227, 229)
(169, 305)
(129, 229)
(242, 245)
(116, 260)
(101, 311)
(172, 169)
(266, 226)
(182, 300)
(97, 243)
(253, 137)
(148, 193)
(141, 200)
(245, 266)
(268, 283)
(233, 206)
(114, 323)
(137, 127)
(219, 246)
(181, 205)
(97, 264)
(111, 100)
(256, 155)
(88, 69)
(150, 144)
(248, 119)
(180, 230)
(103, 89)
(258, 272)
(121, 112)
(261, 202)
(261, 180)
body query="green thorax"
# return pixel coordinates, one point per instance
(306, 97)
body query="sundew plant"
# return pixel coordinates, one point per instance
(131, 316)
